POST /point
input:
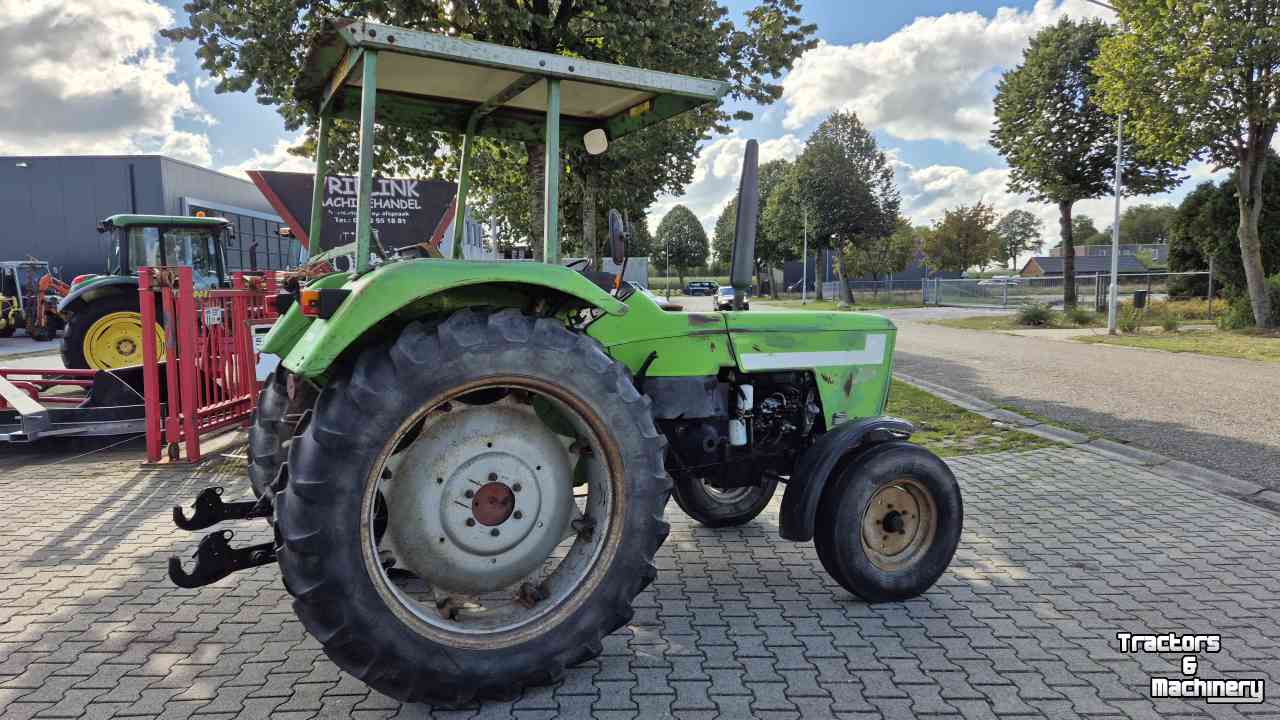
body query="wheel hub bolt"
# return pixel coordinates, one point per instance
(471, 522)
(518, 515)
(494, 532)
(516, 487)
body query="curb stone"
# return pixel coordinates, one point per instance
(1163, 465)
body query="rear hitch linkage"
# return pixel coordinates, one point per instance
(215, 558)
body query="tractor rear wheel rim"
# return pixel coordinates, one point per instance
(486, 532)
(899, 524)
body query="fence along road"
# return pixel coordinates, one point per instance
(1090, 289)
(1220, 413)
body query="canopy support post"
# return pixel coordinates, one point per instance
(368, 100)
(317, 186)
(464, 184)
(551, 193)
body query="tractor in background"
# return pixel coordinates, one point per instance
(29, 296)
(104, 322)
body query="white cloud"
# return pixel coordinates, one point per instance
(277, 158)
(89, 76)
(715, 176)
(933, 79)
(927, 192)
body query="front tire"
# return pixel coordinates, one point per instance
(716, 508)
(397, 423)
(889, 522)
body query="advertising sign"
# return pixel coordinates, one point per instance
(403, 211)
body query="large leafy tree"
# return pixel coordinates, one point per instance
(846, 181)
(1017, 232)
(1059, 144)
(964, 237)
(681, 242)
(1201, 79)
(772, 249)
(782, 215)
(1205, 227)
(259, 45)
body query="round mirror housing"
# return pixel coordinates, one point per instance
(597, 141)
(617, 237)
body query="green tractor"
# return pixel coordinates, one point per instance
(104, 324)
(467, 464)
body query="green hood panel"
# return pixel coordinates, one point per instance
(421, 286)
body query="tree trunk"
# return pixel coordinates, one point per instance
(773, 286)
(536, 170)
(1249, 192)
(818, 275)
(589, 246)
(1068, 256)
(846, 292)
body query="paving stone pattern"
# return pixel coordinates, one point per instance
(1061, 549)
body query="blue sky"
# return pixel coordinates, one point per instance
(920, 73)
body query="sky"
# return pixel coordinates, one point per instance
(94, 76)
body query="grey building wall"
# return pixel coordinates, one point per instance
(51, 205)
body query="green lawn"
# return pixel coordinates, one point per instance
(1250, 345)
(948, 430)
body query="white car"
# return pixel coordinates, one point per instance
(999, 280)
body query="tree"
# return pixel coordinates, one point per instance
(847, 183)
(1145, 224)
(782, 216)
(771, 249)
(1201, 80)
(1018, 232)
(963, 238)
(1059, 145)
(681, 241)
(883, 256)
(259, 46)
(1085, 232)
(1205, 226)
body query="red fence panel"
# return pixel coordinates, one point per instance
(209, 356)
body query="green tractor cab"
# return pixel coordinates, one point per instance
(104, 323)
(467, 465)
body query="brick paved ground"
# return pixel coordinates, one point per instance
(1061, 549)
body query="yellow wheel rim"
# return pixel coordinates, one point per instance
(115, 340)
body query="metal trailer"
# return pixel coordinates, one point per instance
(42, 403)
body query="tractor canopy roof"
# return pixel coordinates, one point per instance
(123, 220)
(441, 82)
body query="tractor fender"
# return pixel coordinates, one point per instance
(818, 463)
(425, 286)
(89, 291)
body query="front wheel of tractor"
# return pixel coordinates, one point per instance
(889, 522)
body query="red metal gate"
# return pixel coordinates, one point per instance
(209, 358)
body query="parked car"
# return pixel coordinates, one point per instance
(699, 287)
(999, 280)
(724, 299)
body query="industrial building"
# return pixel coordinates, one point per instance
(52, 204)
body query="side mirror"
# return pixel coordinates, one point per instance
(617, 237)
(742, 266)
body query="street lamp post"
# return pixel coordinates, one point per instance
(1113, 293)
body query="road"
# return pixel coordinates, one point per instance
(1219, 413)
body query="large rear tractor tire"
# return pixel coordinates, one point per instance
(723, 507)
(889, 522)
(472, 508)
(281, 403)
(106, 334)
